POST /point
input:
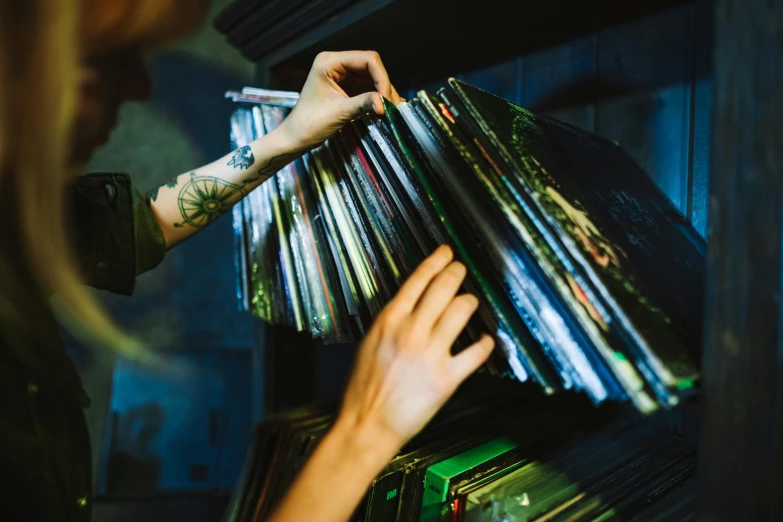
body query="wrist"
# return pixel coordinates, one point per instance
(288, 139)
(373, 445)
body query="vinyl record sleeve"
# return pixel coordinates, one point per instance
(623, 232)
(553, 421)
(467, 421)
(413, 231)
(291, 440)
(447, 483)
(394, 216)
(532, 297)
(559, 301)
(628, 362)
(322, 270)
(553, 482)
(384, 139)
(679, 504)
(363, 222)
(621, 489)
(350, 233)
(511, 333)
(351, 286)
(387, 243)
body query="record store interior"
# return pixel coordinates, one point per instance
(608, 176)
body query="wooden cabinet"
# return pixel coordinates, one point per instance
(425, 40)
(693, 91)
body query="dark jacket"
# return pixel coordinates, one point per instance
(45, 468)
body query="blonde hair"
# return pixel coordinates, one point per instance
(41, 41)
(107, 24)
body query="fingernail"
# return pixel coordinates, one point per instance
(460, 267)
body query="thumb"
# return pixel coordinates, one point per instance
(470, 359)
(368, 102)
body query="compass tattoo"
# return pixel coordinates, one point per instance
(242, 158)
(203, 199)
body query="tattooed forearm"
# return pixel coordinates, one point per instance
(272, 166)
(242, 158)
(203, 199)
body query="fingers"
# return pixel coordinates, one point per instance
(417, 283)
(438, 296)
(454, 320)
(368, 62)
(469, 360)
(367, 102)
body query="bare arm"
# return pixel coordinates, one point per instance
(193, 200)
(404, 373)
(335, 478)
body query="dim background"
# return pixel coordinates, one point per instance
(170, 445)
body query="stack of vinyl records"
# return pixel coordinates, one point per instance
(500, 460)
(589, 279)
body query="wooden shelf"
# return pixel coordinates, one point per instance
(426, 40)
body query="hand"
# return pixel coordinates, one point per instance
(405, 371)
(340, 87)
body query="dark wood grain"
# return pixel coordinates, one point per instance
(560, 81)
(421, 41)
(701, 121)
(651, 59)
(503, 79)
(741, 439)
(290, 369)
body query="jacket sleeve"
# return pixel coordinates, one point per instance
(114, 233)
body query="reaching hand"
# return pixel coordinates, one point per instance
(405, 371)
(340, 87)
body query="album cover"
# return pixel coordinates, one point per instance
(386, 240)
(625, 236)
(545, 316)
(526, 202)
(565, 297)
(392, 216)
(293, 437)
(362, 221)
(523, 352)
(626, 489)
(580, 473)
(405, 180)
(399, 206)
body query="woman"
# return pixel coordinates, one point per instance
(66, 66)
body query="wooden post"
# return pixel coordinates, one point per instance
(741, 464)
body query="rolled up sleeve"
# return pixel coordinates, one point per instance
(114, 232)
